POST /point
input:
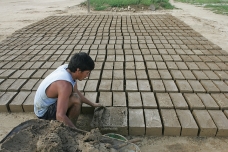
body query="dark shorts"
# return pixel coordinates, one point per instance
(50, 113)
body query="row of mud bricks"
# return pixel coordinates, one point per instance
(155, 74)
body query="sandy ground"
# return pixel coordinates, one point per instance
(15, 14)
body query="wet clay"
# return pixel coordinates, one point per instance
(51, 136)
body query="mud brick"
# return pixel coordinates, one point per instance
(134, 100)
(214, 58)
(194, 102)
(180, 51)
(176, 74)
(188, 124)
(95, 75)
(109, 65)
(178, 101)
(181, 65)
(105, 85)
(107, 74)
(119, 58)
(138, 58)
(188, 75)
(171, 66)
(144, 85)
(196, 86)
(153, 122)
(221, 100)
(130, 74)
(5, 100)
(151, 65)
(202, 66)
(27, 65)
(157, 86)
(220, 121)
(39, 74)
(27, 74)
(154, 51)
(118, 74)
(222, 75)
(148, 100)
(170, 121)
(167, 58)
(226, 113)
(141, 74)
(186, 58)
(91, 85)
(105, 99)
(170, 86)
(153, 74)
(129, 57)
(136, 122)
(130, 66)
(87, 109)
(119, 99)
(7, 73)
(161, 65)
(176, 58)
(118, 65)
(17, 74)
(192, 66)
(37, 85)
(222, 86)
(164, 101)
(223, 58)
(208, 101)
(195, 58)
(17, 85)
(213, 66)
(118, 85)
(81, 85)
(46, 65)
(1, 80)
(211, 75)
(222, 66)
(205, 123)
(200, 75)
(209, 86)
(147, 58)
(16, 104)
(36, 65)
(98, 65)
(165, 74)
(117, 122)
(6, 84)
(131, 85)
(140, 66)
(157, 58)
(183, 86)
(101, 58)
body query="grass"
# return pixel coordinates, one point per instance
(104, 4)
(217, 6)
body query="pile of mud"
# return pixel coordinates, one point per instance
(51, 136)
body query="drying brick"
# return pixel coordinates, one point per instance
(205, 123)
(188, 124)
(170, 121)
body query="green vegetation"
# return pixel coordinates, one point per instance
(104, 4)
(217, 6)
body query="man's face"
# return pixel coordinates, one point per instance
(83, 74)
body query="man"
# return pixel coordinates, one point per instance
(57, 97)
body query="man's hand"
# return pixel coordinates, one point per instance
(98, 105)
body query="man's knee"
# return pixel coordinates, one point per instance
(76, 100)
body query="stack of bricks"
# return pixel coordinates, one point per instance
(169, 78)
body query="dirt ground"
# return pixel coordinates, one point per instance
(16, 14)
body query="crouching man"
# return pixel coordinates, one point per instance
(57, 97)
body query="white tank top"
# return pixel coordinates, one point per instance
(41, 101)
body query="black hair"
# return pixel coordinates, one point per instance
(82, 61)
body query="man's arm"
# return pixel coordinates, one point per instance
(84, 99)
(64, 91)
